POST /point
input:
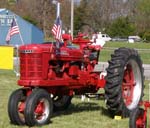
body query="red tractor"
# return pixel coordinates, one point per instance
(51, 73)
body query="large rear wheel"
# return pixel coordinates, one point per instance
(124, 82)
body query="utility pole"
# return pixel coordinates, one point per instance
(58, 7)
(72, 16)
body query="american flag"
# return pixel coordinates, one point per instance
(56, 30)
(14, 29)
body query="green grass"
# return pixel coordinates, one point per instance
(91, 114)
(110, 46)
(129, 45)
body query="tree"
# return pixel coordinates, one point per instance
(143, 18)
(66, 14)
(40, 12)
(121, 27)
(98, 15)
(80, 15)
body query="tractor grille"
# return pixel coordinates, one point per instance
(31, 66)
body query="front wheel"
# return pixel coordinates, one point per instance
(38, 108)
(124, 82)
(16, 105)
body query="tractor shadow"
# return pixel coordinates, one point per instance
(84, 107)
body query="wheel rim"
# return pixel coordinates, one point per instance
(42, 111)
(21, 107)
(132, 85)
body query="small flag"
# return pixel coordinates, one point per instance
(14, 29)
(56, 30)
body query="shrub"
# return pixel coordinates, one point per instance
(146, 36)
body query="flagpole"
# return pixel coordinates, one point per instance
(17, 61)
(19, 31)
(58, 9)
(56, 30)
(17, 49)
(57, 3)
